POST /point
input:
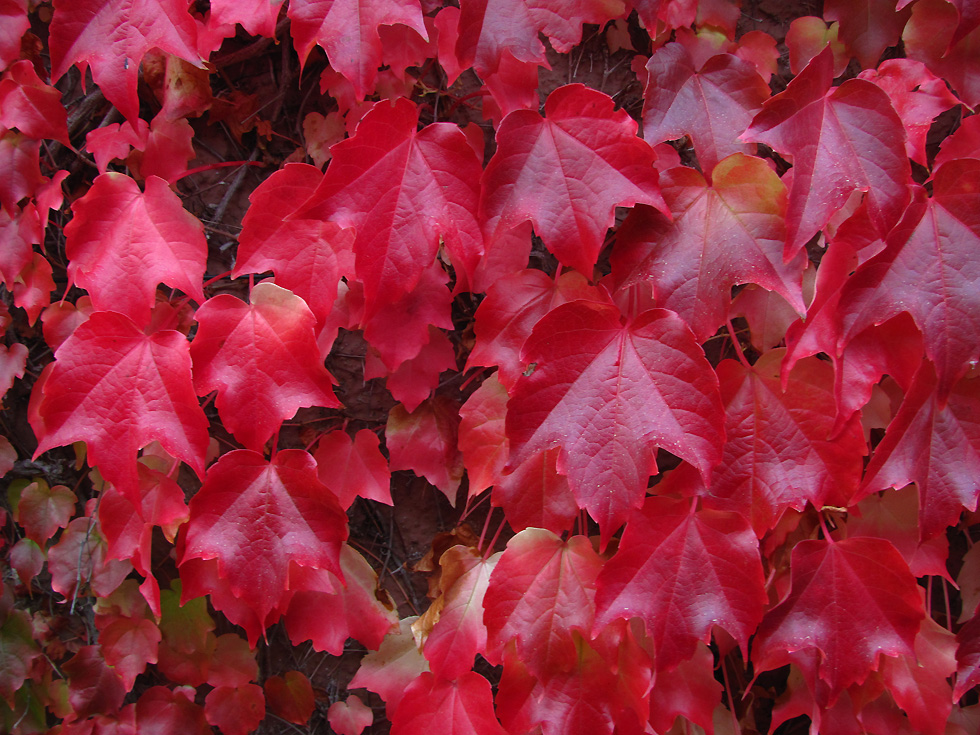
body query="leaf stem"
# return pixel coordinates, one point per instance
(738, 347)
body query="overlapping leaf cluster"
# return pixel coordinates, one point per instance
(731, 413)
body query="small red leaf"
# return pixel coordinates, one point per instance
(353, 467)
(263, 360)
(122, 242)
(290, 696)
(349, 717)
(425, 441)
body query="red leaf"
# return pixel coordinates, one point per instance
(356, 609)
(129, 644)
(935, 446)
(690, 691)
(534, 495)
(290, 696)
(894, 516)
(353, 467)
(967, 657)
(849, 602)
(781, 450)
(263, 360)
(80, 557)
(415, 379)
(935, 36)
(867, 27)
(258, 17)
(840, 140)
(713, 104)
(93, 686)
(542, 589)
(17, 236)
(607, 394)
(233, 663)
(425, 441)
(463, 706)
(513, 305)
(308, 256)
(258, 517)
(19, 159)
(117, 389)
(659, 575)
(13, 26)
(917, 96)
(235, 710)
(919, 683)
(31, 106)
(482, 438)
(725, 234)
(402, 190)
(161, 711)
(112, 36)
(122, 242)
(567, 173)
(488, 28)
(927, 269)
(348, 31)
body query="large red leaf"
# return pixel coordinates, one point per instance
(462, 706)
(850, 601)
(936, 446)
(122, 242)
(117, 389)
(404, 191)
(682, 573)
(566, 173)
(713, 104)
(348, 31)
(929, 269)
(607, 394)
(840, 140)
(308, 256)
(728, 233)
(111, 37)
(263, 360)
(258, 517)
(542, 589)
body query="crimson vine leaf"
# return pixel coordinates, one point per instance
(402, 190)
(91, 395)
(461, 706)
(682, 573)
(840, 140)
(262, 359)
(31, 106)
(258, 517)
(713, 104)
(927, 270)
(348, 31)
(122, 242)
(542, 589)
(566, 173)
(850, 601)
(308, 256)
(934, 445)
(726, 233)
(111, 37)
(607, 394)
